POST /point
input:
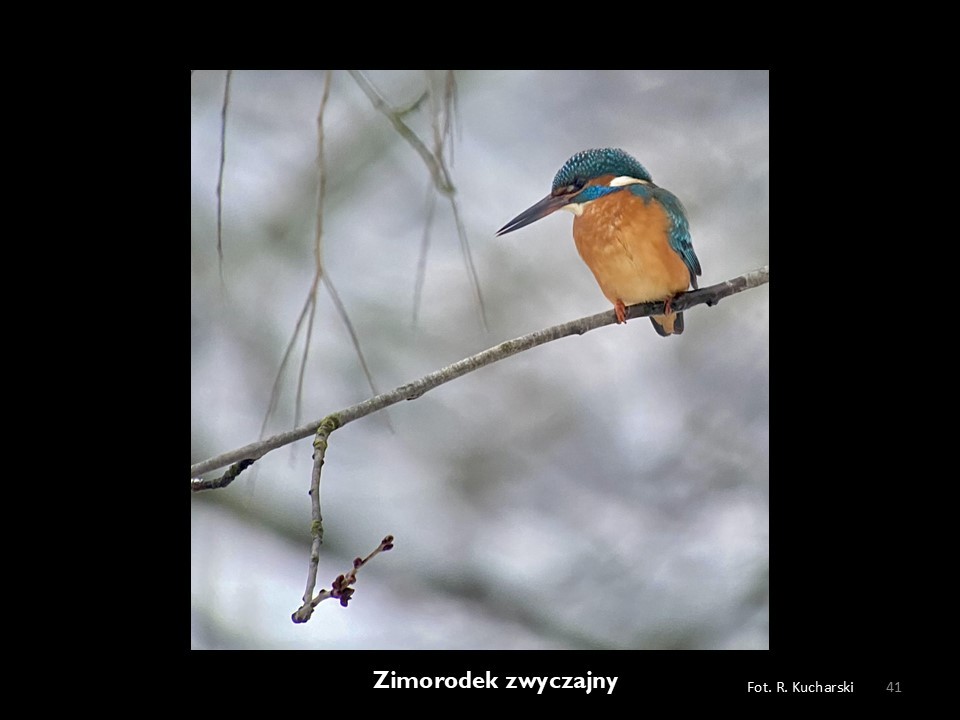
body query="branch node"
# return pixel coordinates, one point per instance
(329, 424)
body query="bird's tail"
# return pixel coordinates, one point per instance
(665, 325)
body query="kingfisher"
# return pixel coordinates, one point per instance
(632, 234)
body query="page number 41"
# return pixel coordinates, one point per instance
(893, 687)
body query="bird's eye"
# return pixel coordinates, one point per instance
(577, 184)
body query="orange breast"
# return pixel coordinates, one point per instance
(624, 243)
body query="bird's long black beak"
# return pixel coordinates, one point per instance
(543, 208)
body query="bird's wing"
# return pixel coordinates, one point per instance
(680, 240)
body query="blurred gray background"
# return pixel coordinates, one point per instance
(603, 491)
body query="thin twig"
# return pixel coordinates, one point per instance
(309, 305)
(468, 261)
(450, 115)
(275, 391)
(443, 147)
(312, 301)
(435, 163)
(412, 390)
(316, 527)
(442, 183)
(415, 105)
(442, 140)
(223, 160)
(422, 260)
(317, 246)
(341, 586)
(342, 311)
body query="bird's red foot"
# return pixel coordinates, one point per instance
(666, 305)
(621, 310)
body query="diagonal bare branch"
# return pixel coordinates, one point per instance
(412, 390)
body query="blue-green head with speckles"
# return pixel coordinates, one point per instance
(589, 164)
